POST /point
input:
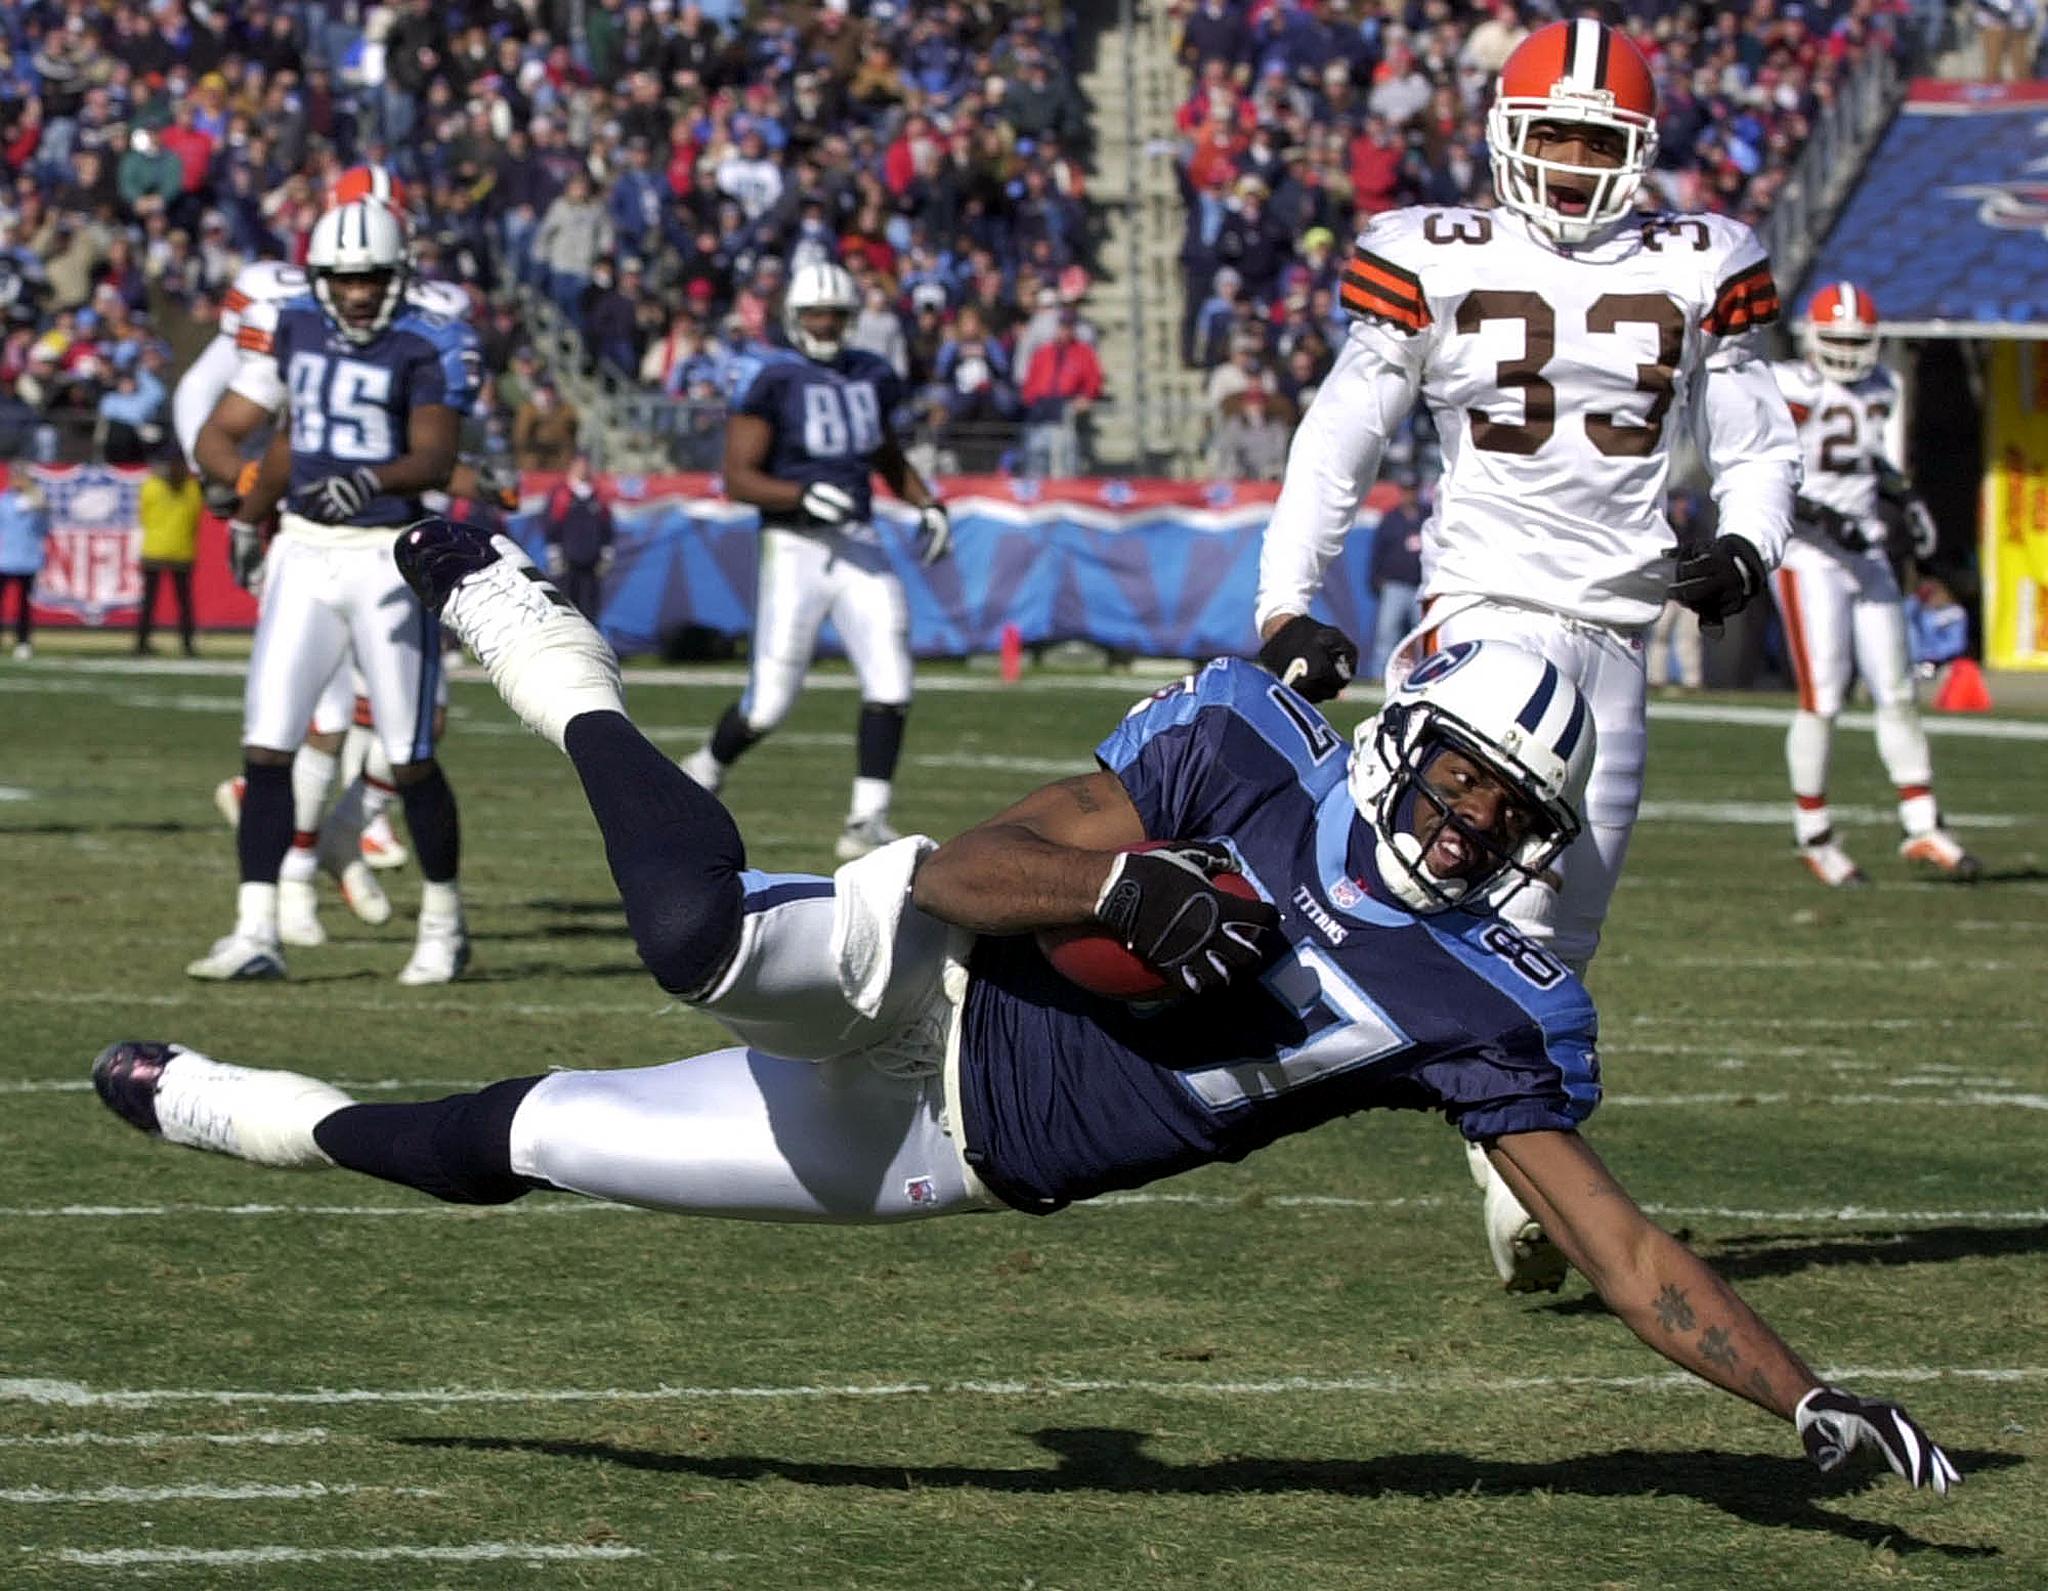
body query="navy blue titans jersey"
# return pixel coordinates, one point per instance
(828, 419)
(352, 403)
(1065, 1094)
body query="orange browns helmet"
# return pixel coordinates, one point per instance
(1840, 332)
(370, 182)
(1586, 74)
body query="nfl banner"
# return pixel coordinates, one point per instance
(90, 575)
(2014, 551)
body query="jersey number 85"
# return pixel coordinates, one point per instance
(341, 407)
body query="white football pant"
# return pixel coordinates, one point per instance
(824, 1115)
(1607, 666)
(319, 604)
(805, 578)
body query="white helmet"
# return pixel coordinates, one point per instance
(359, 239)
(820, 286)
(1508, 709)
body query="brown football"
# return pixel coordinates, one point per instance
(1096, 959)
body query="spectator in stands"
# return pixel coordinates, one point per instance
(605, 312)
(1396, 575)
(1061, 387)
(1251, 440)
(169, 511)
(974, 371)
(544, 430)
(24, 534)
(1245, 368)
(580, 534)
(573, 235)
(879, 329)
(130, 415)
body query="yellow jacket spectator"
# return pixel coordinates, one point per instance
(170, 540)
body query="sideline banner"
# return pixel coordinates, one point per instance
(1155, 568)
(2014, 551)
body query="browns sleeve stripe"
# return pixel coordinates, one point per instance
(235, 300)
(1746, 300)
(253, 338)
(1376, 287)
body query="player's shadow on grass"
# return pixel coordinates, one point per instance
(1774, 1492)
(126, 826)
(1749, 1255)
(577, 908)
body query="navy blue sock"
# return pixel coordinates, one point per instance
(732, 737)
(264, 833)
(879, 741)
(436, 826)
(458, 1148)
(675, 852)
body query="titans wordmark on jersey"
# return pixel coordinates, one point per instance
(1065, 1095)
(352, 403)
(828, 419)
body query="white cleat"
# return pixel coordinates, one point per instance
(862, 835)
(1523, 1255)
(298, 914)
(239, 958)
(381, 847)
(191, 1099)
(1937, 848)
(704, 768)
(545, 658)
(1827, 861)
(227, 800)
(363, 895)
(439, 954)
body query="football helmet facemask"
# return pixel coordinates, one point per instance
(1840, 335)
(1572, 74)
(1517, 717)
(819, 287)
(363, 239)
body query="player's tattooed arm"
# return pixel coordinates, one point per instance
(1667, 1294)
(1040, 864)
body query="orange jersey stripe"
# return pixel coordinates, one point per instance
(235, 299)
(1747, 299)
(253, 338)
(1373, 286)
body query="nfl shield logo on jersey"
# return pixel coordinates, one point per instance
(920, 1190)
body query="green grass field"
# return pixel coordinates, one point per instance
(1294, 1373)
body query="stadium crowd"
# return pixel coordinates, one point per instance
(655, 170)
(1302, 122)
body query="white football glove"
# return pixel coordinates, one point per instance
(336, 499)
(245, 553)
(1833, 1424)
(827, 504)
(935, 533)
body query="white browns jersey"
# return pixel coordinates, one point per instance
(1558, 380)
(201, 386)
(256, 376)
(1848, 431)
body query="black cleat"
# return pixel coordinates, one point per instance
(126, 1075)
(436, 554)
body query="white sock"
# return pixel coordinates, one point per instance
(256, 912)
(312, 773)
(1902, 747)
(377, 786)
(1807, 744)
(1811, 819)
(1918, 813)
(870, 799)
(355, 751)
(301, 863)
(264, 1116)
(440, 902)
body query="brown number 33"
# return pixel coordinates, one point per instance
(1538, 320)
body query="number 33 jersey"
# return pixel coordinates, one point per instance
(1065, 1094)
(1558, 380)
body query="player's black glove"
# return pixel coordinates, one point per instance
(1318, 660)
(245, 553)
(1719, 579)
(1162, 905)
(221, 498)
(1833, 1424)
(1832, 523)
(827, 504)
(336, 499)
(934, 533)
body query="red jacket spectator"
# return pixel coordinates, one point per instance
(1376, 156)
(1062, 370)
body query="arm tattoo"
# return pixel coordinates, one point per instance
(1084, 798)
(1717, 1349)
(1759, 1386)
(1674, 1311)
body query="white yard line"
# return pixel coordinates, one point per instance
(257, 1557)
(199, 1492)
(71, 1394)
(309, 1436)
